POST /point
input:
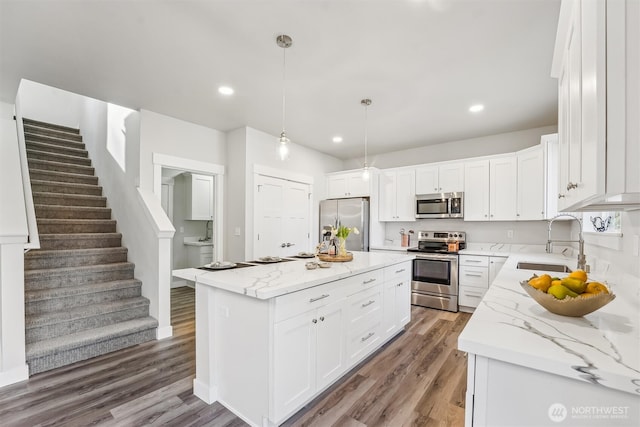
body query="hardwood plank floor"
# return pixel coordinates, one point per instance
(419, 379)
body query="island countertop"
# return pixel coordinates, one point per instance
(602, 347)
(272, 280)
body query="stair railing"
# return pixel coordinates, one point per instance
(33, 241)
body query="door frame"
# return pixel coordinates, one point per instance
(251, 203)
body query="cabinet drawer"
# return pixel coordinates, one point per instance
(206, 250)
(470, 296)
(289, 305)
(398, 272)
(362, 342)
(474, 276)
(362, 281)
(474, 260)
(364, 309)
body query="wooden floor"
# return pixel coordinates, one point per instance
(419, 379)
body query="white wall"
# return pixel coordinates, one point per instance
(235, 192)
(453, 150)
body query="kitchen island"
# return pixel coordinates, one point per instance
(527, 366)
(272, 337)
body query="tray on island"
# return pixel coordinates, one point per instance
(336, 258)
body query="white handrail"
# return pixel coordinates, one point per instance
(33, 241)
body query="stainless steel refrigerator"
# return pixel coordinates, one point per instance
(350, 213)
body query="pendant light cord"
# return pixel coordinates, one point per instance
(284, 82)
(366, 108)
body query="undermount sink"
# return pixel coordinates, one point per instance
(523, 265)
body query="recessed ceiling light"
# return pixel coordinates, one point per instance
(337, 139)
(225, 90)
(476, 108)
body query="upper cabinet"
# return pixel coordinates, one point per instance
(531, 181)
(491, 189)
(199, 197)
(348, 184)
(397, 195)
(444, 178)
(597, 65)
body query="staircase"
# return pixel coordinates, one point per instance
(81, 299)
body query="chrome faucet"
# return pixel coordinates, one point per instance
(582, 259)
(206, 230)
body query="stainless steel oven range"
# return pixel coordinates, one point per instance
(434, 281)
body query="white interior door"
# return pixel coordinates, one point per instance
(282, 210)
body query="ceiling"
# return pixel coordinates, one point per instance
(422, 62)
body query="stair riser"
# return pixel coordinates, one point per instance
(51, 132)
(77, 325)
(60, 167)
(36, 263)
(56, 149)
(71, 160)
(68, 302)
(54, 141)
(48, 362)
(45, 125)
(58, 212)
(65, 242)
(77, 278)
(109, 227)
(66, 200)
(66, 189)
(58, 177)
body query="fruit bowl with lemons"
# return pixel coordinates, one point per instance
(573, 295)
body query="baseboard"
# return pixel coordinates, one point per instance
(15, 375)
(164, 332)
(178, 283)
(204, 392)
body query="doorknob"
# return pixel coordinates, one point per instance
(290, 244)
(284, 245)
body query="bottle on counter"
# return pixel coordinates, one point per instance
(333, 249)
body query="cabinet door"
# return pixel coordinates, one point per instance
(563, 138)
(530, 192)
(503, 189)
(387, 208)
(356, 186)
(331, 343)
(200, 197)
(405, 196)
(389, 306)
(403, 302)
(294, 362)
(336, 186)
(427, 180)
(451, 178)
(476, 197)
(495, 265)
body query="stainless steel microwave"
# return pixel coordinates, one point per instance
(440, 205)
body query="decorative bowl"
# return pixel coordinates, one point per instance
(572, 307)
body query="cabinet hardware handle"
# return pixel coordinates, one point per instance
(366, 304)
(322, 318)
(561, 196)
(399, 271)
(368, 281)
(517, 214)
(369, 335)
(315, 320)
(323, 296)
(284, 245)
(473, 275)
(472, 260)
(399, 284)
(571, 186)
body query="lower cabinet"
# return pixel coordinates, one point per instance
(397, 298)
(476, 273)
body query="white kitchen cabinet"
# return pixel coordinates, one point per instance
(491, 189)
(597, 65)
(397, 195)
(199, 255)
(531, 184)
(348, 184)
(443, 178)
(476, 274)
(199, 196)
(495, 265)
(397, 298)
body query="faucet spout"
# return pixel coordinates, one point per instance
(582, 259)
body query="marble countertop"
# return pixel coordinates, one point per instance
(602, 347)
(272, 280)
(391, 247)
(196, 243)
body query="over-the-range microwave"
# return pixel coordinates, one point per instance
(440, 205)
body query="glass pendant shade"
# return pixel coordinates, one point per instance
(283, 146)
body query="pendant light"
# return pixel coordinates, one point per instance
(365, 170)
(284, 41)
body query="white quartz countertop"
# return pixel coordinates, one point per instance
(207, 243)
(391, 247)
(602, 347)
(272, 280)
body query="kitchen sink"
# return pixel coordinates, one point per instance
(523, 265)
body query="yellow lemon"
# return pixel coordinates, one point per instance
(596, 288)
(578, 274)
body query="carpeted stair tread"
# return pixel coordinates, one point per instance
(60, 167)
(63, 226)
(71, 212)
(44, 272)
(47, 278)
(84, 338)
(80, 240)
(58, 149)
(38, 123)
(82, 312)
(41, 186)
(46, 175)
(56, 133)
(58, 258)
(33, 137)
(69, 199)
(57, 157)
(69, 291)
